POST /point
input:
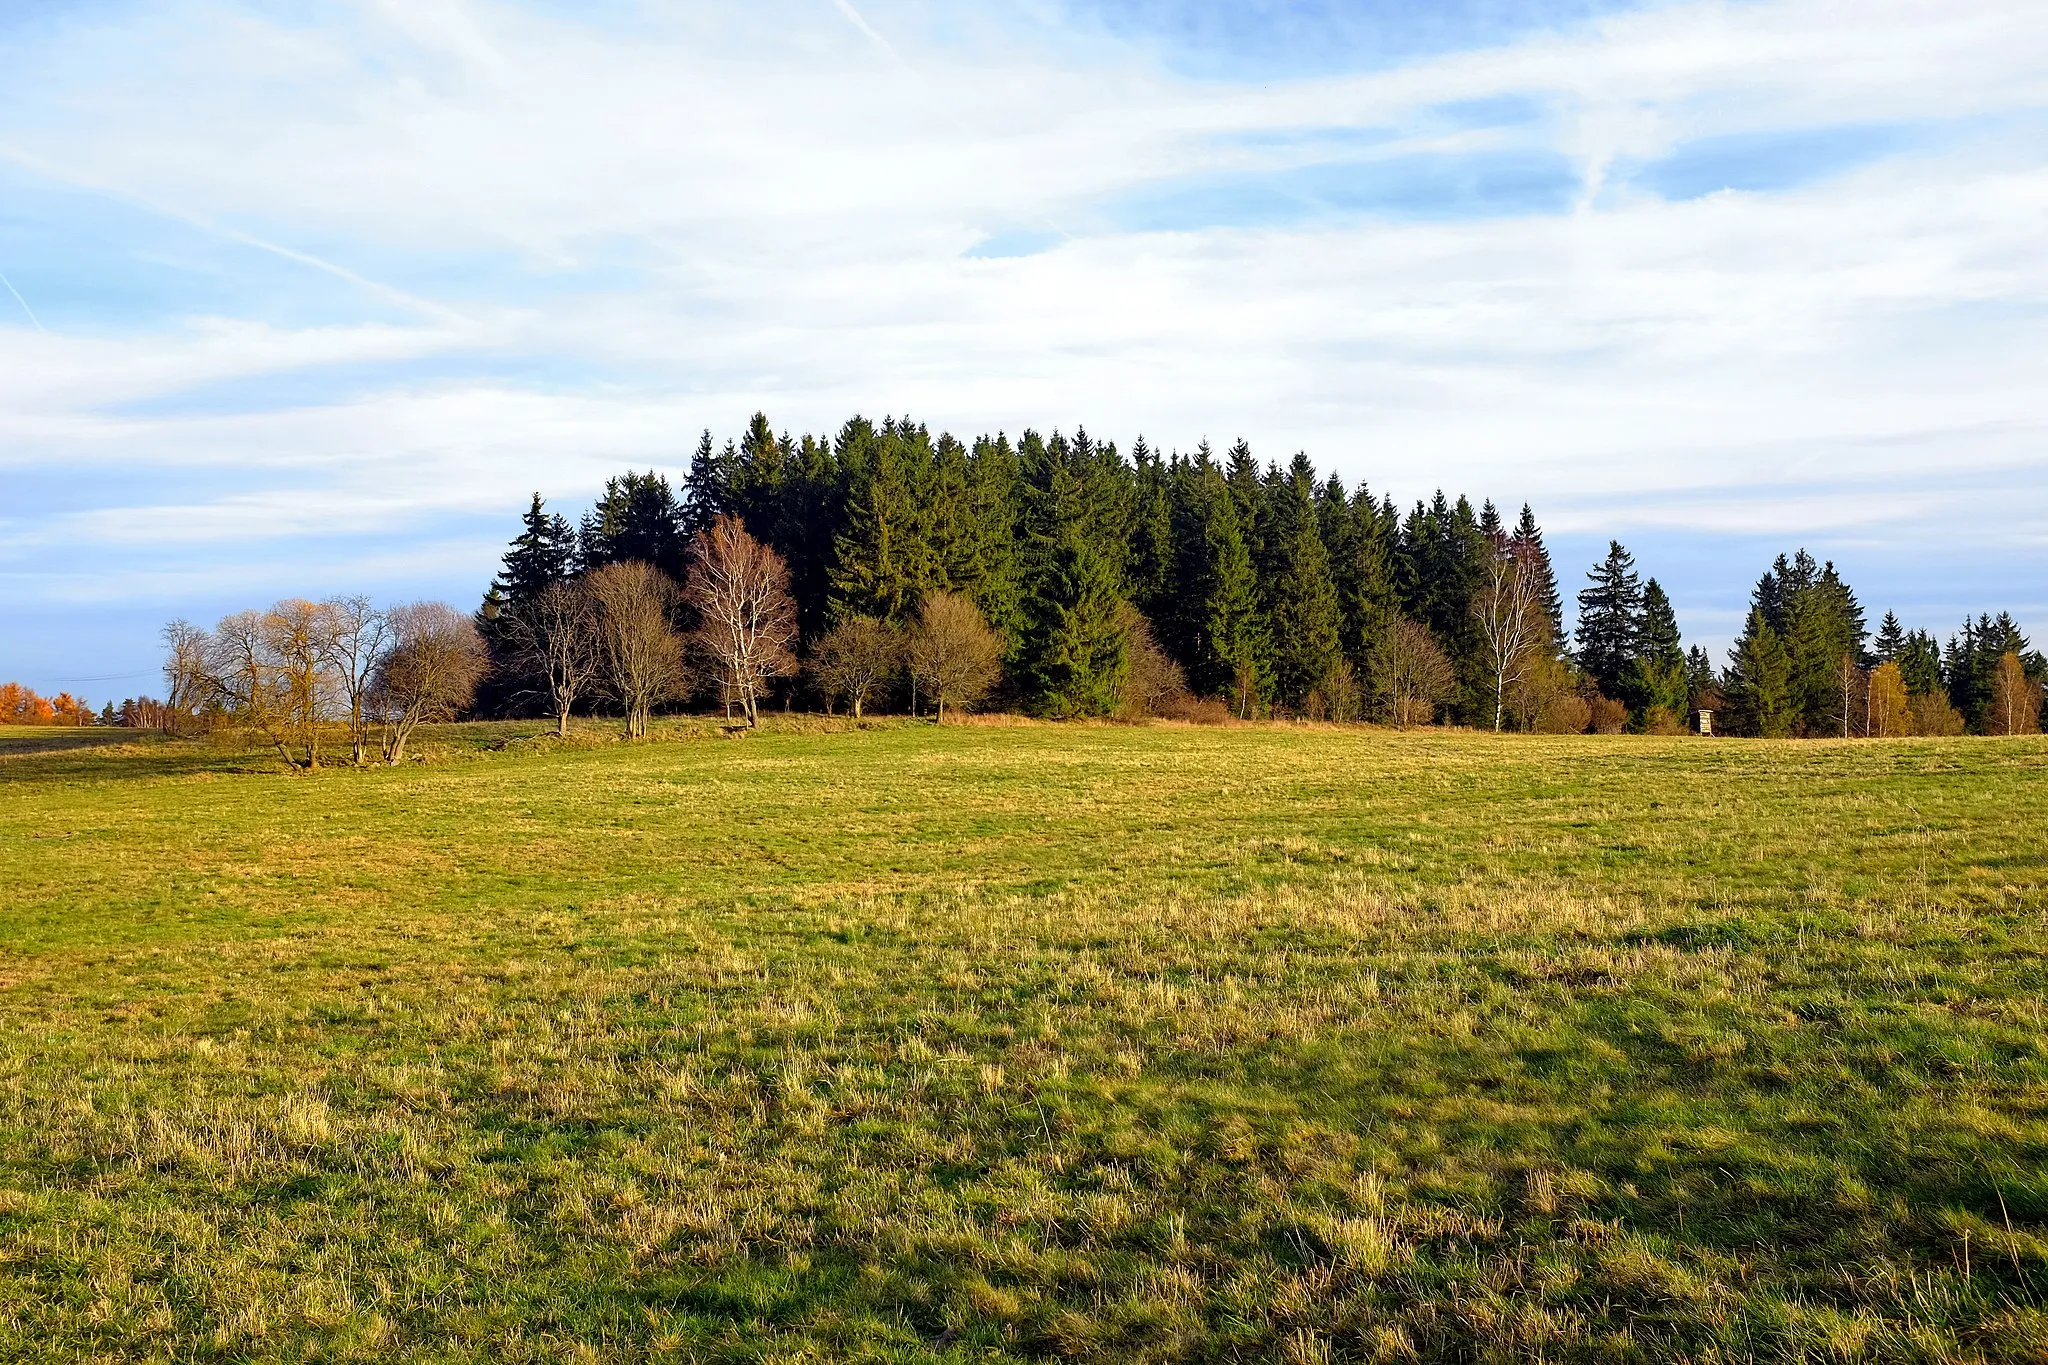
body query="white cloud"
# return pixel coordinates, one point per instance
(778, 209)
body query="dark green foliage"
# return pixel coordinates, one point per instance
(1610, 612)
(1076, 509)
(1971, 661)
(1361, 537)
(1919, 661)
(543, 552)
(1701, 678)
(1656, 677)
(1301, 598)
(1219, 629)
(637, 519)
(885, 563)
(1760, 697)
(1890, 642)
(1530, 534)
(1818, 623)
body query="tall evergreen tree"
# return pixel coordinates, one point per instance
(1890, 643)
(1225, 648)
(1610, 609)
(1301, 602)
(1528, 533)
(1760, 699)
(1151, 566)
(994, 489)
(1656, 677)
(706, 497)
(1919, 661)
(543, 553)
(883, 563)
(1075, 654)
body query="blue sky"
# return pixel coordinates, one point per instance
(312, 294)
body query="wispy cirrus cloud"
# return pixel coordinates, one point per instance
(329, 287)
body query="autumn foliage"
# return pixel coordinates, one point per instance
(24, 706)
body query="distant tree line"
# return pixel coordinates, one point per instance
(1164, 583)
(1107, 585)
(886, 568)
(1807, 664)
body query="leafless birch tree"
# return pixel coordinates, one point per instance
(746, 618)
(1512, 623)
(352, 636)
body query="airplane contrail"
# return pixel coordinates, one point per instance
(853, 17)
(23, 302)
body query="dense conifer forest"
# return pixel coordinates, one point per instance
(1269, 588)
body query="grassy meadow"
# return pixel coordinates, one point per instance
(1005, 1043)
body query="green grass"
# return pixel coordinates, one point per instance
(1026, 1043)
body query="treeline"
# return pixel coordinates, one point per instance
(1274, 590)
(1121, 584)
(1055, 575)
(1807, 664)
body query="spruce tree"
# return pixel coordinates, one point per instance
(1760, 699)
(1610, 609)
(1075, 654)
(882, 560)
(1302, 606)
(1655, 678)
(1701, 679)
(1223, 628)
(1151, 566)
(1919, 661)
(994, 492)
(1528, 533)
(637, 519)
(543, 552)
(705, 496)
(1890, 643)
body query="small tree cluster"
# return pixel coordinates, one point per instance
(25, 706)
(300, 670)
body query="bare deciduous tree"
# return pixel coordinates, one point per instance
(640, 653)
(244, 682)
(429, 672)
(187, 674)
(351, 638)
(556, 635)
(953, 654)
(295, 634)
(1512, 621)
(1410, 674)
(746, 618)
(857, 657)
(1154, 684)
